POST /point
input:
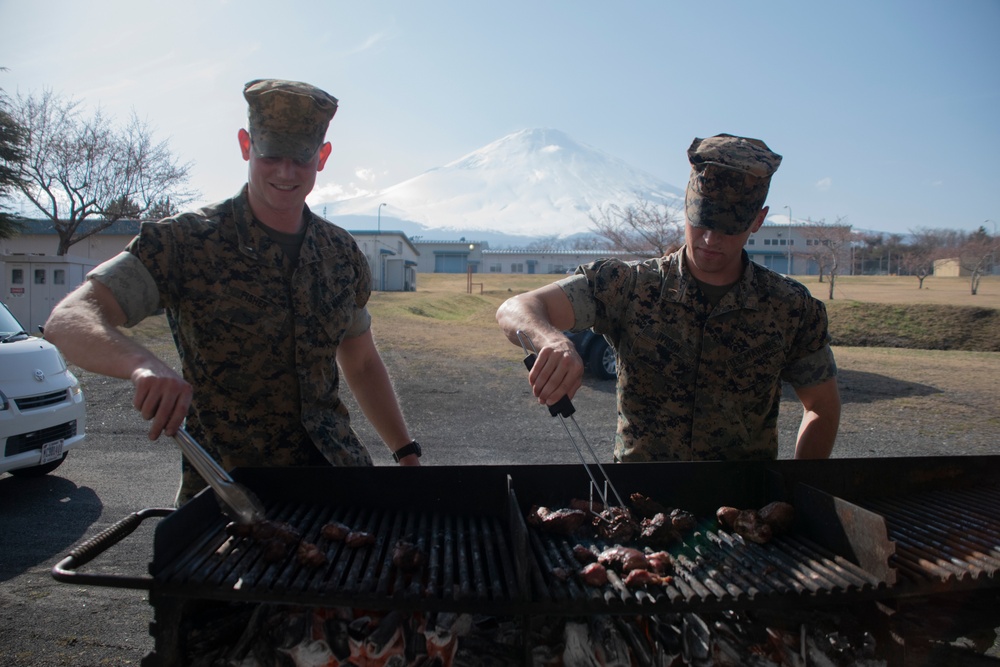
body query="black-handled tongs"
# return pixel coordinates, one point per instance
(563, 408)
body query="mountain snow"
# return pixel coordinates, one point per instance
(535, 183)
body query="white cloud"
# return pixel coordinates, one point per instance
(824, 184)
(332, 192)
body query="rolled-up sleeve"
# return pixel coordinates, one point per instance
(131, 284)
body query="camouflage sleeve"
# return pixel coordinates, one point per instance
(577, 289)
(811, 361)
(361, 323)
(131, 284)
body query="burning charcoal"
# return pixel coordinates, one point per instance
(660, 562)
(310, 555)
(658, 531)
(407, 556)
(595, 506)
(623, 559)
(583, 554)
(748, 524)
(640, 578)
(335, 531)
(616, 524)
(594, 574)
(647, 507)
(274, 551)
(778, 515)
(359, 538)
(727, 516)
(558, 522)
(683, 520)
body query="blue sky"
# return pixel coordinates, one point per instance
(886, 113)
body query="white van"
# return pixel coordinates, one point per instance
(42, 412)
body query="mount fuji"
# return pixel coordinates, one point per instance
(529, 185)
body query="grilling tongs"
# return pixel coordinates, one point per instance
(563, 408)
(238, 501)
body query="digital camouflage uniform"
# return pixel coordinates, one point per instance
(697, 382)
(257, 341)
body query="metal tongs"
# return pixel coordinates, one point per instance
(238, 501)
(563, 408)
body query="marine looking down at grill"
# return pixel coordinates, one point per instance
(266, 303)
(703, 337)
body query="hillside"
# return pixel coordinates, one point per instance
(914, 326)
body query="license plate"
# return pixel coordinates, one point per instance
(52, 451)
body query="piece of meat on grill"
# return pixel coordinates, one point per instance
(595, 506)
(616, 524)
(660, 562)
(584, 554)
(594, 574)
(309, 555)
(658, 531)
(274, 530)
(623, 559)
(563, 522)
(359, 538)
(778, 515)
(749, 525)
(335, 531)
(640, 578)
(726, 516)
(683, 520)
(407, 556)
(647, 507)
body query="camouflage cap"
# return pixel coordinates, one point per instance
(729, 180)
(288, 118)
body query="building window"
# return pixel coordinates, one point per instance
(767, 241)
(496, 268)
(781, 242)
(750, 241)
(517, 268)
(59, 277)
(17, 276)
(39, 276)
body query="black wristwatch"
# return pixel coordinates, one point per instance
(412, 448)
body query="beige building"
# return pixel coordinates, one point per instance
(950, 268)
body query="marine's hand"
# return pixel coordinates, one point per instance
(162, 397)
(557, 372)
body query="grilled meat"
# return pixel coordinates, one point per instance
(559, 522)
(616, 524)
(335, 531)
(640, 578)
(660, 562)
(583, 554)
(359, 538)
(274, 530)
(778, 515)
(683, 520)
(646, 506)
(407, 556)
(310, 555)
(594, 574)
(658, 531)
(749, 525)
(726, 516)
(595, 506)
(623, 559)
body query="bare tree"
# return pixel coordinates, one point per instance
(976, 254)
(917, 258)
(87, 168)
(642, 228)
(830, 245)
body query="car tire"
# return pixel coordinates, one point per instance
(601, 359)
(38, 471)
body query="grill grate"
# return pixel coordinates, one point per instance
(470, 563)
(42, 400)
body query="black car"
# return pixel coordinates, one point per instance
(597, 355)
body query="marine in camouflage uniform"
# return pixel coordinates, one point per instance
(258, 348)
(703, 337)
(698, 381)
(261, 296)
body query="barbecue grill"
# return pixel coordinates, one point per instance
(869, 533)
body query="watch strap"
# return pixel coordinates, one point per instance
(413, 447)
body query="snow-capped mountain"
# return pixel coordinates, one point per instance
(532, 184)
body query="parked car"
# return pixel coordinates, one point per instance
(42, 411)
(597, 354)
